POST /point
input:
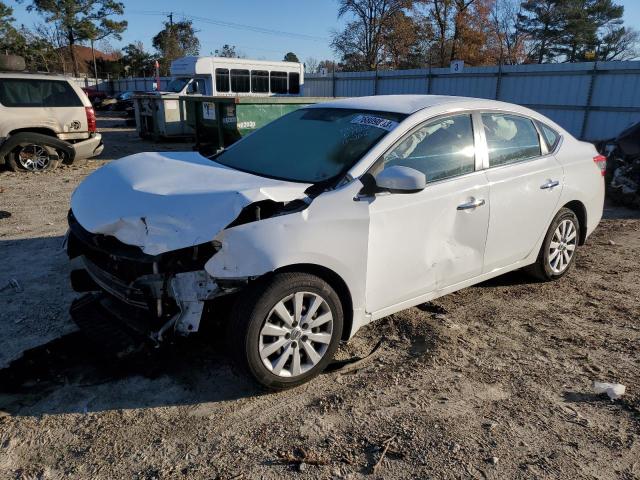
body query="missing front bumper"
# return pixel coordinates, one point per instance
(109, 325)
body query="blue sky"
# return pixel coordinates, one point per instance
(310, 22)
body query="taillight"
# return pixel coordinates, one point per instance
(91, 119)
(601, 162)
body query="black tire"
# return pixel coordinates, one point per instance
(15, 163)
(251, 312)
(542, 269)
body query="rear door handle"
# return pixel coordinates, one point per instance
(472, 204)
(550, 184)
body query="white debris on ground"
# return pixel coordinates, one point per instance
(613, 390)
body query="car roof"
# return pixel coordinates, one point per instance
(32, 76)
(408, 104)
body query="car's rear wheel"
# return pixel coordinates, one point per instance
(286, 328)
(32, 157)
(557, 253)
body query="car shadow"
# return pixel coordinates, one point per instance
(51, 368)
(517, 277)
(71, 375)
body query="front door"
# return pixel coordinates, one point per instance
(525, 185)
(426, 241)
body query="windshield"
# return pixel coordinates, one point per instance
(310, 145)
(177, 84)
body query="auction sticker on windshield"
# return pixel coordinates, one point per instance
(372, 121)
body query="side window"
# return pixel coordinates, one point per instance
(278, 82)
(550, 136)
(240, 81)
(294, 83)
(37, 93)
(222, 79)
(440, 149)
(259, 81)
(510, 138)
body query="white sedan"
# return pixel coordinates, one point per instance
(327, 219)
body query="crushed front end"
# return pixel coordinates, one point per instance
(150, 296)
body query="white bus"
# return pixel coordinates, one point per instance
(221, 76)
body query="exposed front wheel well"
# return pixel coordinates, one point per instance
(577, 207)
(336, 282)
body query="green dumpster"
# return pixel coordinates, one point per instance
(220, 121)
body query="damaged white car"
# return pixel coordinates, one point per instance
(328, 218)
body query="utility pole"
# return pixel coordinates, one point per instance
(170, 17)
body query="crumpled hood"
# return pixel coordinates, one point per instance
(170, 200)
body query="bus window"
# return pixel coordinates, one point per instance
(259, 81)
(222, 79)
(240, 81)
(294, 83)
(278, 82)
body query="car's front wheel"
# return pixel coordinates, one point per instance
(558, 250)
(286, 328)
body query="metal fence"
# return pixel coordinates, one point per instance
(112, 86)
(593, 101)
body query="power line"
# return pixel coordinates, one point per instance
(237, 26)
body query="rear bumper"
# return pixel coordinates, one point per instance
(90, 147)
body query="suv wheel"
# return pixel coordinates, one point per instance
(33, 157)
(286, 328)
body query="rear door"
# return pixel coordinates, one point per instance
(425, 241)
(525, 183)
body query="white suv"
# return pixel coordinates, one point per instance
(44, 119)
(328, 218)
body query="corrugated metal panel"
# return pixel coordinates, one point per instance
(570, 120)
(603, 125)
(608, 97)
(481, 87)
(545, 89)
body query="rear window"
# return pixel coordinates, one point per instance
(550, 136)
(18, 92)
(510, 138)
(240, 81)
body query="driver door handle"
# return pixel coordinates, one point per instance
(472, 204)
(550, 184)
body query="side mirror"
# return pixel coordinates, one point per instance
(399, 179)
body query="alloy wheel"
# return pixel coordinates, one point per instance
(34, 158)
(296, 334)
(562, 246)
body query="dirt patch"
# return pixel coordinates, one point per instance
(490, 382)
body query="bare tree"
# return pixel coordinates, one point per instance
(619, 44)
(438, 12)
(506, 31)
(361, 43)
(311, 65)
(461, 7)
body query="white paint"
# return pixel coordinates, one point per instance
(392, 250)
(166, 201)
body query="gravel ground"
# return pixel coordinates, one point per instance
(493, 381)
